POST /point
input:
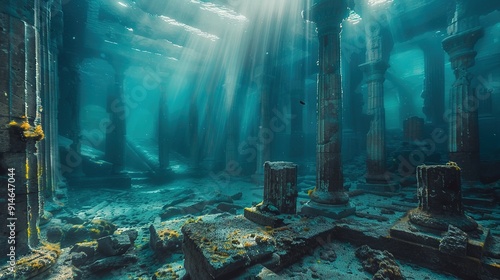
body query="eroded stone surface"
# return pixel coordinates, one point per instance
(217, 249)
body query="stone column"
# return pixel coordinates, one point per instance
(464, 31)
(378, 48)
(375, 139)
(163, 139)
(433, 89)
(329, 190)
(115, 139)
(20, 127)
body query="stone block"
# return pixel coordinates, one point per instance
(113, 245)
(454, 242)
(280, 186)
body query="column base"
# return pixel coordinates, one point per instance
(441, 222)
(427, 238)
(312, 208)
(379, 187)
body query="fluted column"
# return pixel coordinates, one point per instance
(375, 139)
(378, 48)
(329, 188)
(464, 31)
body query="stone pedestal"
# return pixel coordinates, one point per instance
(329, 190)
(440, 199)
(280, 186)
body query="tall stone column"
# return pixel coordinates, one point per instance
(378, 48)
(115, 139)
(464, 31)
(329, 190)
(433, 90)
(20, 128)
(163, 139)
(375, 139)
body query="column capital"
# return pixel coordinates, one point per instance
(374, 70)
(460, 47)
(327, 14)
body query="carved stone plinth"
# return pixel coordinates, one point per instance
(440, 199)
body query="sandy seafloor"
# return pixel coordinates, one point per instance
(139, 207)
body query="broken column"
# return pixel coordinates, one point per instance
(280, 194)
(329, 190)
(464, 31)
(280, 186)
(440, 199)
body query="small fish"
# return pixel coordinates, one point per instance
(302, 102)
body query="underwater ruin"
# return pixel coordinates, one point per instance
(249, 139)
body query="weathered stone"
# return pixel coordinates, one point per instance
(89, 248)
(440, 198)
(228, 207)
(280, 186)
(454, 242)
(381, 264)
(263, 218)
(463, 141)
(54, 234)
(132, 234)
(79, 258)
(329, 187)
(74, 234)
(113, 245)
(227, 245)
(164, 241)
(100, 228)
(111, 263)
